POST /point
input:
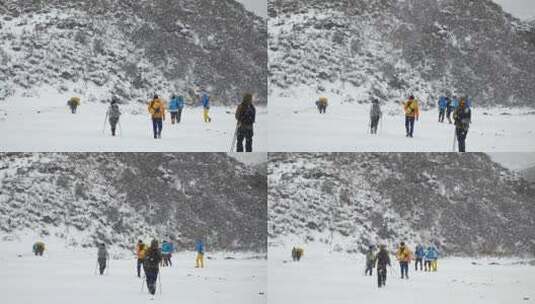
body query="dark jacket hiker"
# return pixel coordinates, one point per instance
(462, 117)
(383, 259)
(151, 265)
(246, 116)
(113, 115)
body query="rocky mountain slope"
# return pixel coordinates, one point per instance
(529, 174)
(466, 204)
(132, 49)
(390, 48)
(118, 198)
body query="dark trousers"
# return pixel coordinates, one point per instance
(176, 116)
(369, 269)
(427, 265)
(374, 124)
(167, 260)
(381, 276)
(157, 125)
(461, 138)
(418, 261)
(113, 124)
(404, 269)
(151, 277)
(247, 134)
(139, 264)
(102, 265)
(73, 109)
(39, 252)
(409, 125)
(448, 114)
(322, 108)
(441, 114)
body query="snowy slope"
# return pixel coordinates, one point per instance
(336, 278)
(51, 127)
(296, 125)
(384, 48)
(132, 49)
(466, 204)
(117, 198)
(65, 275)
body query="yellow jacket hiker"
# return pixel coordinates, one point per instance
(412, 112)
(157, 112)
(73, 103)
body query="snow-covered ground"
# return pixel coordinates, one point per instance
(296, 125)
(45, 124)
(321, 277)
(65, 276)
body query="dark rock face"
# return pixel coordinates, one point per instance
(134, 48)
(426, 47)
(118, 198)
(466, 204)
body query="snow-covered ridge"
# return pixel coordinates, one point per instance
(118, 198)
(132, 49)
(466, 204)
(388, 48)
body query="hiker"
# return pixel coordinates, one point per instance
(463, 118)
(294, 254)
(102, 257)
(420, 254)
(375, 115)
(151, 265)
(175, 108)
(38, 248)
(431, 259)
(246, 116)
(113, 114)
(412, 112)
(450, 108)
(442, 105)
(322, 104)
(157, 112)
(383, 259)
(199, 247)
(73, 103)
(299, 252)
(140, 254)
(404, 256)
(205, 102)
(370, 261)
(167, 250)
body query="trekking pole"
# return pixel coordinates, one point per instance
(380, 130)
(142, 284)
(120, 128)
(104, 126)
(160, 283)
(454, 140)
(96, 266)
(234, 139)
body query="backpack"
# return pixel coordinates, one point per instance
(156, 110)
(114, 111)
(247, 116)
(376, 111)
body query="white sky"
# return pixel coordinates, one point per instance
(523, 9)
(514, 161)
(258, 7)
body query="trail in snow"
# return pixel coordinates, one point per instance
(66, 276)
(296, 125)
(46, 125)
(337, 279)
